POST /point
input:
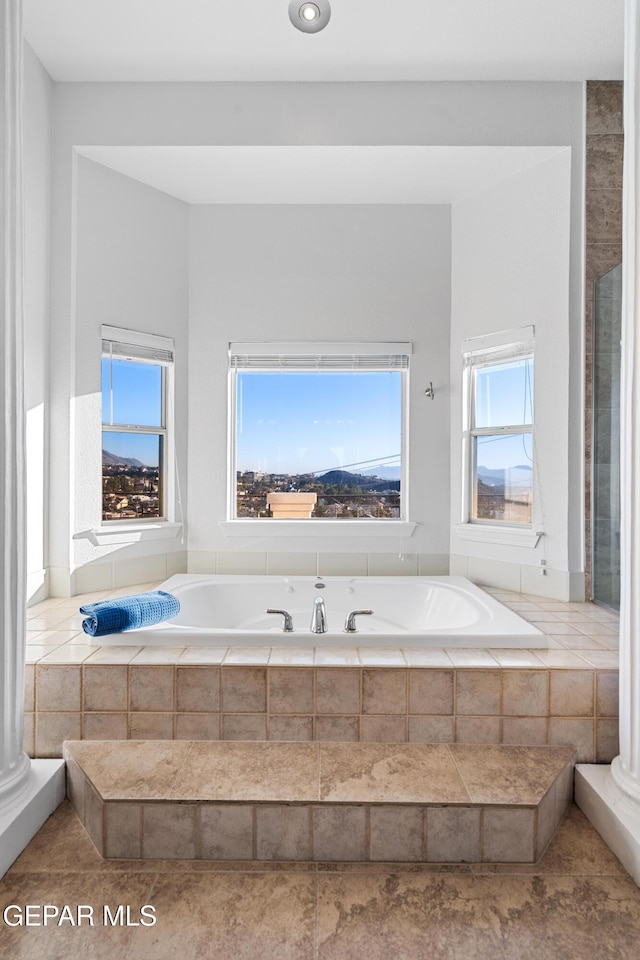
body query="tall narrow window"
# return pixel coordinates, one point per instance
(500, 454)
(317, 431)
(135, 385)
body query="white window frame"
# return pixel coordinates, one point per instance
(139, 347)
(299, 355)
(478, 352)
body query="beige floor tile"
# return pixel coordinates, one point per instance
(373, 772)
(235, 771)
(242, 916)
(577, 903)
(509, 774)
(548, 918)
(129, 770)
(67, 942)
(404, 916)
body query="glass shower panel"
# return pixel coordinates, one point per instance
(606, 438)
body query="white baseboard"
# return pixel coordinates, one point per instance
(20, 821)
(38, 587)
(520, 577)
(615, 816)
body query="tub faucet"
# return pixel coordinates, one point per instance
(287, 625)
(350, 622)
(319, 616)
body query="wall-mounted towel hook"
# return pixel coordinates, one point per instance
(430, 392)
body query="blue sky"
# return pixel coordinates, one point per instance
(504, 397)
(137, 401)
(317, 421)
(309, 422)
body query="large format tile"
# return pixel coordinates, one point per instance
(375, 772)
(577, 903)
(509, 774)
(131, 769)
(67, 941)
(565, 918)
(404, 916)
(249, 771)
(241, 916)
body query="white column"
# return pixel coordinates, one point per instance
(29, 792)
(611, 796)
(14, 764)
(626, 767)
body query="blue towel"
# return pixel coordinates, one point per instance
(129, 613)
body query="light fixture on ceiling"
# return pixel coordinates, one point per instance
(309, 17)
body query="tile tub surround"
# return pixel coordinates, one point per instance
(564, 695)
(319, 802)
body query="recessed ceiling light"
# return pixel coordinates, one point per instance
(309, 17)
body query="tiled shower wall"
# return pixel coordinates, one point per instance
(604, 149)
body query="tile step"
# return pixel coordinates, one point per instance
(258, 800)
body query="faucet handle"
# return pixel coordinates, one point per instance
(287, 626)
(350, 622)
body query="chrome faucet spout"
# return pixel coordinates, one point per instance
(319, 616)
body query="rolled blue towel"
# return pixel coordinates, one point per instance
(129, 613)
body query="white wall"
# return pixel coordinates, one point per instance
(498, 114)
(130, 271)
(510, 268)
(38, 91)
(319, 273)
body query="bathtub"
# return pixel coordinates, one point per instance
(406, 612)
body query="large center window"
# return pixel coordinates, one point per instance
(318, 431)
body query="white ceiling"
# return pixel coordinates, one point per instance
(110, 40)
(320, 174)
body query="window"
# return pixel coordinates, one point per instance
(499, 460)
(317, 431)
(136, 371)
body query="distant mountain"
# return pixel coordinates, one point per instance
(344, 478)
(520, 474)
(384, 473)
(111, 460)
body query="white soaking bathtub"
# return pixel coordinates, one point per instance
(227, 610)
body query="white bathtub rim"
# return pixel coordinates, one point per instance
(508, 629)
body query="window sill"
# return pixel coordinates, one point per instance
(317, 528)
(507, 536)
(130, 533)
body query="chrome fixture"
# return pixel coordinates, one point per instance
(287, 626)
(309, 17)
(350, 622)
(318, 616)
(430, 392)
